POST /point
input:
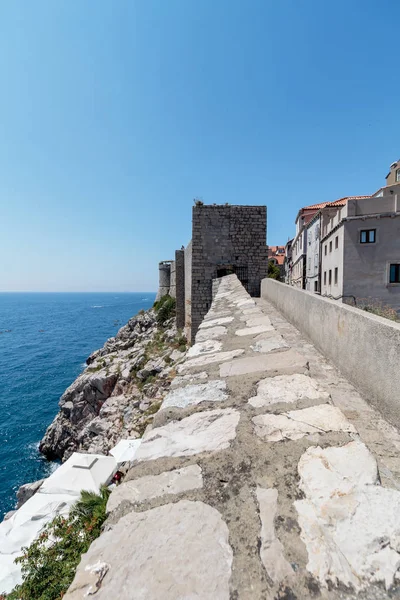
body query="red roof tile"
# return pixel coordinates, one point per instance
(340, 202)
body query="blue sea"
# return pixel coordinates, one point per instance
(45, 339)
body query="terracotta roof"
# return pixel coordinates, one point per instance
(340, 202)
(273, 252)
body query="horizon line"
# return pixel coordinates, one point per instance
(74, 292)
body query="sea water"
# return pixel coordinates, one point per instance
(45, 339)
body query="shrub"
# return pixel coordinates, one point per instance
(49, 564)
(165, 309)
(273, 271)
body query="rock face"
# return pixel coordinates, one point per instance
(116, 395)
(26, 491)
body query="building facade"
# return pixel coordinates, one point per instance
(361, 251)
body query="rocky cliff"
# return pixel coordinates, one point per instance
(122, 387)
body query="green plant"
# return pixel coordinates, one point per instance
(273, 271)
(377, 308)
(165, 309)
(49, 564)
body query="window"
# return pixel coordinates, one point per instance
(330, 277)
(337, 242)
(330, 246)
(326, 249)
(398, 175)
(315, 286)
(336, 275)
(367, 236)
(324, 277)
(394, 273)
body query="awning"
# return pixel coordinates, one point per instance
(80, 472)
(125, 450)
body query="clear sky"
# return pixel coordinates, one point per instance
(114, 115)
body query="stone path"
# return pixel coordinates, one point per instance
(265, 476)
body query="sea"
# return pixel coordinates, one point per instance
(45, 339)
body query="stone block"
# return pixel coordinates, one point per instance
(289, 361)
(206, 431)
(174, 552)
(153, 486)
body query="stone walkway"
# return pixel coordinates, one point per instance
(265, 476)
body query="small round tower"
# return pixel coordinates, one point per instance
(164, 278)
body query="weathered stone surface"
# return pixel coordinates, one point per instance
(350, 525)
(287, 388)
(254, 330)
(271, 550)
(201, 361)
(295, 424)
(189, 378)
(269, 344)
(152, 486)
(245, 303)
(183, 554)
(214, 322)
(212, 333)
(213, 391)
(254, 321)
(251, 312)
(207, 431)
(283, 362)
(206, 347)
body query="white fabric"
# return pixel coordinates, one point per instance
(125, 450)
(56, 496)
(23, 527)
(80, 472)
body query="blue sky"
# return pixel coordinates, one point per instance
(115, 115)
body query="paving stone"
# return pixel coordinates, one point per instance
(245, 303)
(181, 552)
(295, 424)
(349, 524)
(287, 388)
(252, 311)
(289, 361)
(206, 431)
(213, 322)
(153, 486)
(254, 314)
(213, 391)
(254, 321)
(207, 359)
(269, 344)
(254, 330)
(211, 333)
(189, 378)
(206, 347)
(271, 550)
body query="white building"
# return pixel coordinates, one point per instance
(360, 249)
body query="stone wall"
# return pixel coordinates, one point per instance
(226, 239)
(180, 288)
(172, 288)
(188, 290)
(365, 348)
